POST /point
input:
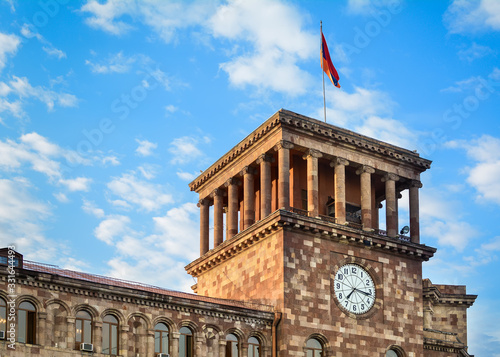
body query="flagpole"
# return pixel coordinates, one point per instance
(322, 71)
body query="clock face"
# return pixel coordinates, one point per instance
(354, 289)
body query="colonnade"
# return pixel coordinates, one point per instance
(262, 165)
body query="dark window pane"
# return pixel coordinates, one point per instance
(87, 331)
(21, 327)
(157, 341)
(79, 331)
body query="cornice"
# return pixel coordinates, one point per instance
(49, 282)
(435, 296)
(282, 219)
(334, 134)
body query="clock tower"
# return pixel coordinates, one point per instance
(297, 209)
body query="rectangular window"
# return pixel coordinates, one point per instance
(303, 196)
(21, 327)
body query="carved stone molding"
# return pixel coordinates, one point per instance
(365, 168)
(232, 181)
(389, 176)
(203, 202)
(313, 153)
(265, 158)
(339, 161)
(416, 183)
(248, 170)
(283, 144)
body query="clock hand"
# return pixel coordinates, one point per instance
(348, 296)
(363, 292)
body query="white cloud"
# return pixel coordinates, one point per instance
(485, 151)
(145, 195)
(474, 52)
(367, 7)
(111, 227)
(118, 63)
(471, 16)
(77, 184)
(8, 46)
(145, 147)
(277, 40)
(104, 14)
(186, 176)
(61, 197)
(21, 87)
(369, 112)
(92, 209)
(22, 217)
(165, 18)
(184, 149)
(441, 219)
(52, 51)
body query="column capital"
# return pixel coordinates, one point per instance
(339, 161)
(218, 192)
(389, 176)
(416, 183)
(232, 181)
(247, 170)
(283, 144)
(365, 168)
(313, 153)
(203, 202)
(265, 158)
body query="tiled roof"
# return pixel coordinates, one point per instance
(55, 270)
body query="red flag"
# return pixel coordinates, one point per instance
(327, 65)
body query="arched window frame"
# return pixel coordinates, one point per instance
(254, 347)
(162, 337)
(26, 322)
(232, 345)
(186, 343)
(110, 335)
(317, 350)
(84, 327)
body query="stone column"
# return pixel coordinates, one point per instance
(174, 349)
(248, 196)
(123, 340)
(97, 336)
(199, 347)
(232, 205)
(391, 214)
(283, 149)
(244, 349)
(414, 211)
(339, 164)
(365, 173)
(218, 217)
(312, 181)
(264, 161)
(222, 347)
(71, 333)
(40, 337)
(150, 342)
(204, 205)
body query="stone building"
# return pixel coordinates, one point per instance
(296, 264)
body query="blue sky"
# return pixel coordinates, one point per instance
(109, 109)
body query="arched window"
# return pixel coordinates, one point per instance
(314, 348)
(110, 335)
(395, 351)
(26, 328)
(3, 316)
(391, 353)
(83, 328)
(253, 347)
(161, 338)
(186, 342)
(232, 346)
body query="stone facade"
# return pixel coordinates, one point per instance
(292, 203)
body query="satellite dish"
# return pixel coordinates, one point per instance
(404, 230)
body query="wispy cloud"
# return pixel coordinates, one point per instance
(184, 149)
(117, 63)
(142, 194)
(472, 16)
(145, 147)
(8, 47)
